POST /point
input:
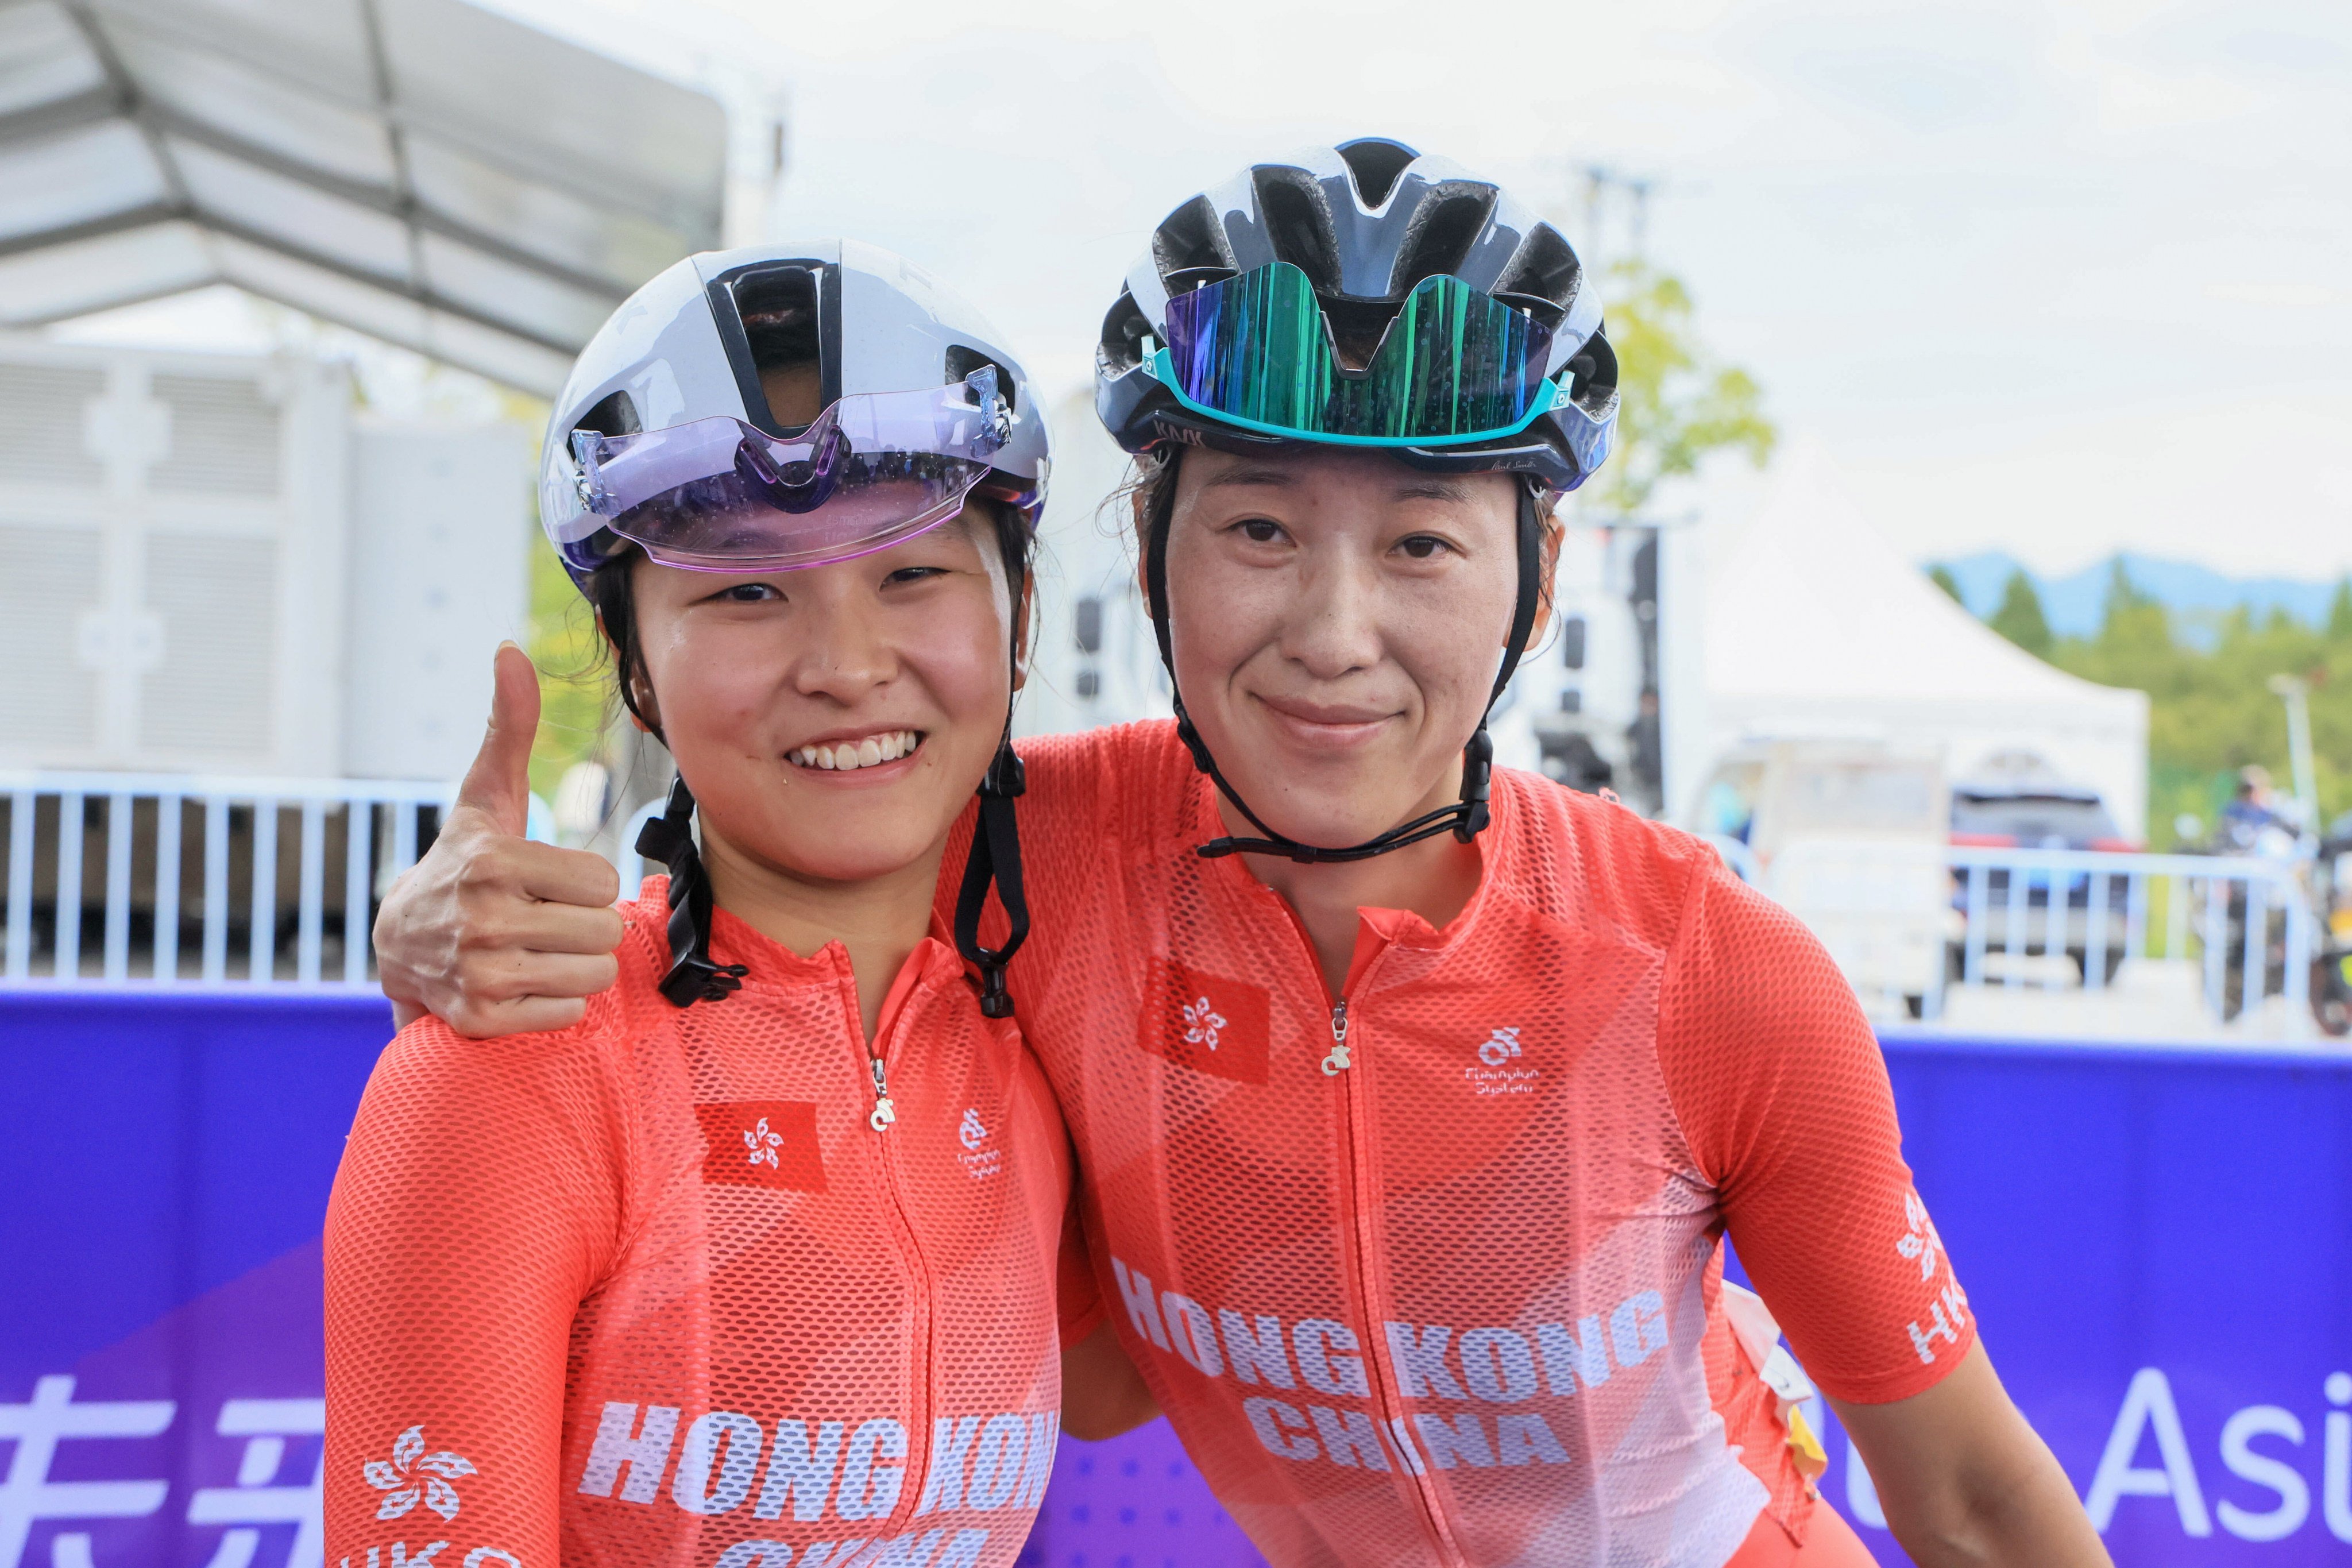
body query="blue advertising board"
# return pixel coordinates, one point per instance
(2156, 1242)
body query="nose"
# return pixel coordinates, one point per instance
(849, 652)
(1332, 626)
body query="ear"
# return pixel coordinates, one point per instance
(1554, 531)
(1023, 615)
(640, 692)
(1135, 505)
(647, 714)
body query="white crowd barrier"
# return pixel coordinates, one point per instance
(2014, 919)
(154, 879)
(149, 879)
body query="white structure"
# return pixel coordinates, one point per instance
(207, 566)
(1094, 661)
(427, 171)
(440, 572)
(1817, 628)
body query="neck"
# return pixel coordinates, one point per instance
(878, 919)
(1433, 879)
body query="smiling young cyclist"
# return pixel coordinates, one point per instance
(755, 1263)
(1413, 1100)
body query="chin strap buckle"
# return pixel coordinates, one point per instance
(1477, 780)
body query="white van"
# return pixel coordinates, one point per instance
(1850, 837)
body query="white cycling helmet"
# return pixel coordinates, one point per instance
(662, 436)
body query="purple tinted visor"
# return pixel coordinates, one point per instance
(717, 495)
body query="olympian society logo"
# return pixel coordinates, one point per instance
(1498, 1070)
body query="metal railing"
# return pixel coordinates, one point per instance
(158, 880)
(2245, 921)
(2064, 920)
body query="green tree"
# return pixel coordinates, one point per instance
(2339, 612)
(1679, 404)
(2020, 616)
(1941, 575)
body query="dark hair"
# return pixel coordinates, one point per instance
(610, 594)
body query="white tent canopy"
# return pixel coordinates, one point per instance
(422, 171)
(1817, 626)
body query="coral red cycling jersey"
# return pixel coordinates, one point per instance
(1430, 1272)
(673, 1288)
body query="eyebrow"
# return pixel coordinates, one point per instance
(1431, 488)
(1258, 474)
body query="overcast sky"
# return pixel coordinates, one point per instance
(2052, 277)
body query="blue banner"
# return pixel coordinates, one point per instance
(2158, 1243)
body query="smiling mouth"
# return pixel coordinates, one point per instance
(847, 756)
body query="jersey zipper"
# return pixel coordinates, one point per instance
(924, 1373)
(1338, 1064)
(1362, 1193)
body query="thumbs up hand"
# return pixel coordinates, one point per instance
(490, 932)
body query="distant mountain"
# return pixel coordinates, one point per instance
(2196, 595)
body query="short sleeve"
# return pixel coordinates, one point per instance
(477, 1202)
(1778, 1081)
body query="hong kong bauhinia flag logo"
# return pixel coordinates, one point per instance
(1208, 1022)
(762, 1143)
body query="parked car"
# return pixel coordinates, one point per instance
(1849, 836)
(2059, 916)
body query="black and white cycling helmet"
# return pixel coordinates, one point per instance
(663, 437)
(1362, 296)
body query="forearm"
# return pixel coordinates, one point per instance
(1966, 1482)
(2024, 1515)
(1102, 1393)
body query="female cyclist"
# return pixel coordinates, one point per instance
(754, 1264)
(1413, 1101)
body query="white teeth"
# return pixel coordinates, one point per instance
(871, 752)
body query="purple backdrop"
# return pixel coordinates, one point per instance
(2159, 1242)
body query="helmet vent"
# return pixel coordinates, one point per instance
(1545, 267)
(616, 415)
(1191, 237)
(1442, 232)
(1375, 161)
(1297, 224)
(779, 311)
(961, 362)
(1124, 329)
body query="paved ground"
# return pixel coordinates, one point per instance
(2151, 1000)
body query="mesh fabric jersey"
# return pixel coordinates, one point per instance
(656, 1291)
(1433, 1274)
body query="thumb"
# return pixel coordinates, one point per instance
(498, 783)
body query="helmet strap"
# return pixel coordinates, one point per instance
(693, 975)
(995, 855)
(1465, 819)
